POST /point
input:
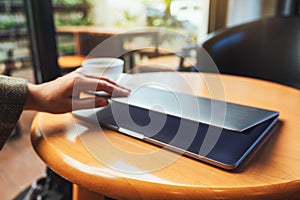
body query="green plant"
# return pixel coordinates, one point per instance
(164, 19)
(71, 2)
(128, 19)
(63, 50)
(7, 24)
(77, 13)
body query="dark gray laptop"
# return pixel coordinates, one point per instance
(215, 132)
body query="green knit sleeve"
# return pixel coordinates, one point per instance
(13, 94)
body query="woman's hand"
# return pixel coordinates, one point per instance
(63, 94)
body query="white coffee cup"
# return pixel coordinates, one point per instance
(110, 68)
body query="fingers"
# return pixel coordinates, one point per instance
(105, 79)
(96, 77)
(101, 78)
(115, 90)
(85, 83)
(87, 103)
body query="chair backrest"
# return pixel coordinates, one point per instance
(267, 49)
(42, 39)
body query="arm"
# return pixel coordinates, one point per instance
(13, 93)
(58, 96)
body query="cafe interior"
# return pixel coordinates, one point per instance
(42, 40)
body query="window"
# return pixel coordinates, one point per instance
(187, 16)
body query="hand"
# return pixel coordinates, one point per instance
(63, 94)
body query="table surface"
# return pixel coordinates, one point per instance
(109, 31)
(92, 157)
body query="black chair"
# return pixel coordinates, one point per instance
(267, 49)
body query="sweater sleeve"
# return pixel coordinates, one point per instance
(13, 94)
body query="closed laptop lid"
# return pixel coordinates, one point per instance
(229, 116)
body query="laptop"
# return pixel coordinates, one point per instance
(211, 131)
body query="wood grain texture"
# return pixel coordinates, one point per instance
(85, 154)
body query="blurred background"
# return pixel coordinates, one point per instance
(195, 18)
(19, 165)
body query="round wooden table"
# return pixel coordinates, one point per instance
(69, 146)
